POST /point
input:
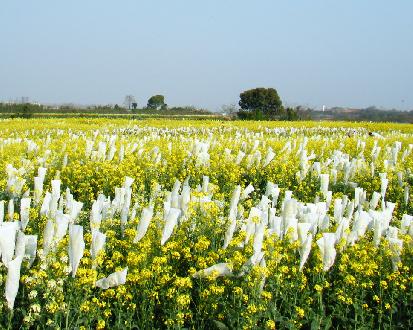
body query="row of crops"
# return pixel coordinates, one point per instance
(151, 224)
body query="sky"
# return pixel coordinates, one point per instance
(354, 53)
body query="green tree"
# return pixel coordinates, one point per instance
(262, 103)
(24, 111)
(156, 102)
(291, 114)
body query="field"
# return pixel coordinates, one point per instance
(155, 224)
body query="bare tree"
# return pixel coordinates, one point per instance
(229, 109)
(129, 99)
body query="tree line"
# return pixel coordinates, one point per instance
(254, 104)
(155, 102)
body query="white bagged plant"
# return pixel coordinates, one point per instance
(305, 250)
(10, 209)
(76, 247)
(74, 212)
(20, 246)
(62, 223)
(328, 252)
(113, 280)
(98, 244)
(38, 189)
(217, 270)
(171, 222)
(24, 212)
(30, 248)
(8, 231)
(146, 217)
(12, 281)
(232, 218)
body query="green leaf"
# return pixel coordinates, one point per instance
(219, 325)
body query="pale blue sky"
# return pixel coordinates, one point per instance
(204, 53)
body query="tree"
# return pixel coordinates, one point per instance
(291, 114)
(134, 105)
(262, 102)
(156, 102)
(24, 111)
(229, 110)
(129, 99)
